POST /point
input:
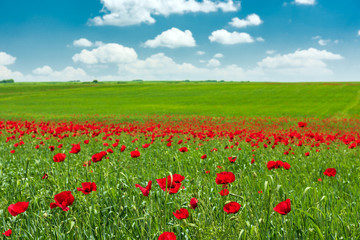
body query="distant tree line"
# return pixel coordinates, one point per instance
(7, 81)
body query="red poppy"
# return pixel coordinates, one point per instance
(168, 144)
(97, 157)
(319, 180)
(45, 176)
(123, 147)
(203, 156)
(225, 177)
(260, 192)
(207, 171)
(135, 154)
(286, 166)
(75, 148)
(145, 190)
(110, 150)
(7, 233)
(307, 154)
(63, 200)
(232, 207)
(224, 192)
(167, 236)
(17, 208)
(12, 151)
(183, 149)
(87, 164)
(193, 203)
(252, 161)
(87, 187)
(232, 159)
(183, 213)
(171, 183)
(214, 149)
(86, 141)
(115, 144)
(331, 172)
(284, 207)
(60, 146)
(60, 157)
(302, 124)
(146, 145)
(51, 148)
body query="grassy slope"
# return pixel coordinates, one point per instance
(213, 99)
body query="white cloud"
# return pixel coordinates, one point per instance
(260, 39)
(82, 42)
(45, 70)
(270, 52)
(200, 52)
(324, 42)
(172, 38)
(358, 33)
(303, 62)
(224, 37)
(6, 59)
(213, 63)
(6, 73)
(251, 20)
(305, 2)
(106, 53)
(218, 55)
(131, 12)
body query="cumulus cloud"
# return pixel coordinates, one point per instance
(218, 55)
(6, 59)
(131, 12)
(304, 62)
(224, 37)
(82, 42)
(324, 42)
(172, 38)
(106, 53)
(213, 63)
(270, 52)
(358, 33)
(250, 20)
(305, 2)
(200, 53)
(45, 70)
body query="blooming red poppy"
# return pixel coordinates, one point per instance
(183, 213)
(225, 177)
(307, 154)
(168, 144)
(319, 180)
(207, 171)
(171, 183)
(12, 151)
(115, 144)
(86, 141)
(224, 192)
(110, 150)
(302, 124)
(135, 154)
(183, 149)
(75, 148)
(97, 157)
(60, 157)
(17, 208)
(63, 200)
(232, 207)
(252, 161)
(203, 156)
(330, 172)
(193, 203)
(45, 176)
(60, 146)
(286, 166)
(87, 187)
(123, 147)
(167, 236)
(284, 207)
(146, 145)
(37, 147)
(232, 159)
(145, 190)
(260, 192)
(51, 148)
(7, 233)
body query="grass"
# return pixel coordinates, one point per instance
(117, 210)
(103, 100)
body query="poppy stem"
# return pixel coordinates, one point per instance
(284, 229)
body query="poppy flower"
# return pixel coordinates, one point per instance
(284, 207)
(123, 147)
(7, 233)
(60, 157)
(87, 187)
(224, 192)
(319, 180)
(110, 150)
(225, 177)
(183, 213)
(63, 200)
(17, 208)
(135, 154)
(45, 176)
(203, 156)
(75, 148)
(12, 151)
(171, 183)
(331, 172)
(146, 145)
(286, 166)
(302, 124)
(260, 192)
(87, 164)
(60, 146)
(145, 190)
(51, 148)
(252, 161)
(86, 141)
(232, 207)
(97, 157)
(183, 149)
(168, 144)
(167, 236)
(207, 171)
(307, 154)
(193, 203)
(232, 159)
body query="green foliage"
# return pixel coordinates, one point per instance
(7, 81)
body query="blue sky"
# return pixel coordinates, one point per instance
(248, 40)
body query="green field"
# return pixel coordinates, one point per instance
(69, 100)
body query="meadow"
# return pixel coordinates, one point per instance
(138, 161)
